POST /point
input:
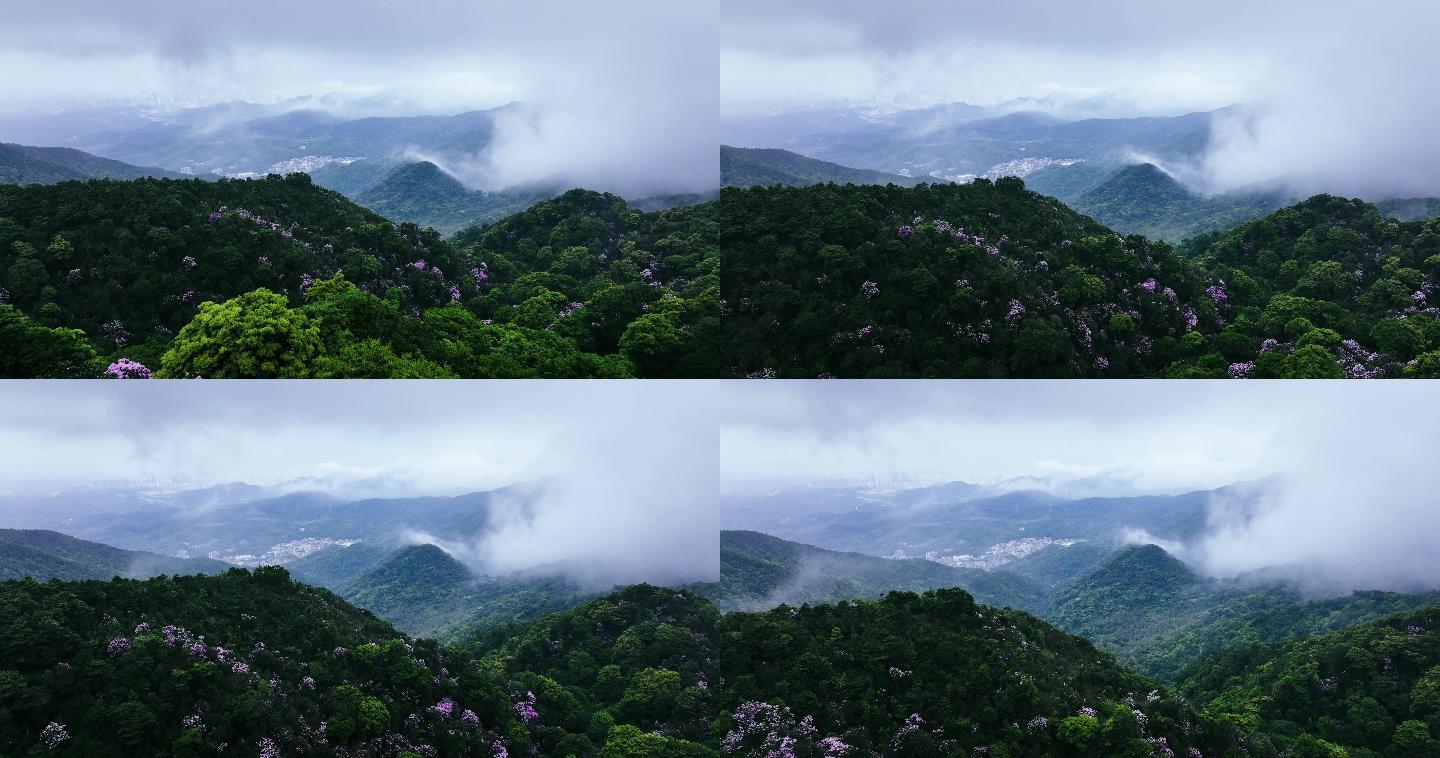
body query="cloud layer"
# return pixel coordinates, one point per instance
(621, 94)
(620, 476)
(1357, 502)
(1338, 96)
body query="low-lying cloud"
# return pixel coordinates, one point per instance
(1336, 97)
(618, 96)
(609, 482)
(1358, 506)
(1355, 503)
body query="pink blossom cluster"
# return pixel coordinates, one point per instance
(525, 708)
(1017, 309)
(444, 709)
(128, 369)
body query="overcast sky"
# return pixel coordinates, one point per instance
(1341, 93)
(625, 85)
(1360, 499)
(629, 468)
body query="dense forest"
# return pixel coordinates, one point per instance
(991, 280)
(277, 277)
(939, 675)
(423, 193)
(1368, 690)
(1143, 199)
(426, 592)
(253, 663)
(1159, 617)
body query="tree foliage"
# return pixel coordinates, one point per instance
(168, 271)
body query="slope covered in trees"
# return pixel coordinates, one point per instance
(279, 278)
(252, 663)
(745, 167)
(23, 164)
(645, 657)
(938, 675)
(41, 554)
(977, 280)
(1158, 616)
(426, 592)
(1329, 284)
(1143, 199)
(758, 571)
(1369, 690)
(989, 279)
(424, 194)
(644, 286)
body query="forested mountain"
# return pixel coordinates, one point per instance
(1139, 603)
(253, 663)
(1158, 616)
(1328, 283)
(426, 592)
(22, 164)
(989, 279)
(41, 555)
(646, 658)
(938, 675)
(745, 167)
(1140, 577)
(1368, 690)
(424, 194)
(1054, 565)
(1143, 199)
(277, 277)
(758, 572)
(983, 279)
(1410, 208)
(335, 567)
